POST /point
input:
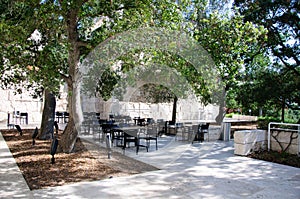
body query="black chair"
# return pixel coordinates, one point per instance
(107, 127)
(86, 124)
(161, 128)
(66, 117)
(24, 118)
(130, 136)
(141, 122)
(200, 131)
(118, 134)
(134, 136)
(58, 116)
(171, 128)
(98, 115)
(185, 132)
(152, 135)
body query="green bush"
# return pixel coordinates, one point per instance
(263, 122)
(229, 115)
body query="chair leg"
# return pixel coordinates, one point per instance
(137, 143)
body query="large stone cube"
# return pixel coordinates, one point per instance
(247, 141)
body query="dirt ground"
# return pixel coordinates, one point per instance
(82, 165)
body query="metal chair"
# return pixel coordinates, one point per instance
(185, 133)
(66, 117)
(58, 116)
(24, 118)
(202, 130)
(199, 131)
(152, 135)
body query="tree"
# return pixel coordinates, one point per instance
(69, 31)
(281, 19)
(29, 55)
(230, 41)
(262, 87)
(234, 51)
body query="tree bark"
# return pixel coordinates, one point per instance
(222, 107)
(47, 126)
(72, 129)
(70, 133)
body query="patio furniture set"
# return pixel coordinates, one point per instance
(142, 132)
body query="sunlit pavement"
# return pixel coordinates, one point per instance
(201, 170)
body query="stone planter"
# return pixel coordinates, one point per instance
(247, 141)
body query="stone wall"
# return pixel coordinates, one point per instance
(187, 109)
(246, 141)
(284, 137)
(10, 102)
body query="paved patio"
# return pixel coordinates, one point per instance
(201, 170)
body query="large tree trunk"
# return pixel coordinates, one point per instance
(70, 133)
(47, 126)
(222, 107)
(72, 129)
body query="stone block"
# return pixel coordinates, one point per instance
(244, 117)
(249, 136)
(247, 141)
(245, 149)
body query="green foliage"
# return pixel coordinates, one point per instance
(271, 80)
(32, 63)
(230, 41)
(230, 115)
(263, 122)
(281, 18)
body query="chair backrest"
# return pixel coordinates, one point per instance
(204, 127)
(195, 128)
(131, 133)
(24, 114)
(186, 129)
(152, 131)
(60, 114)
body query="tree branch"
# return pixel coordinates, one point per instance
(65, 78)
(82, 44)
(285, 63)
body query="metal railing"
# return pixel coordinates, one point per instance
(283, 129)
